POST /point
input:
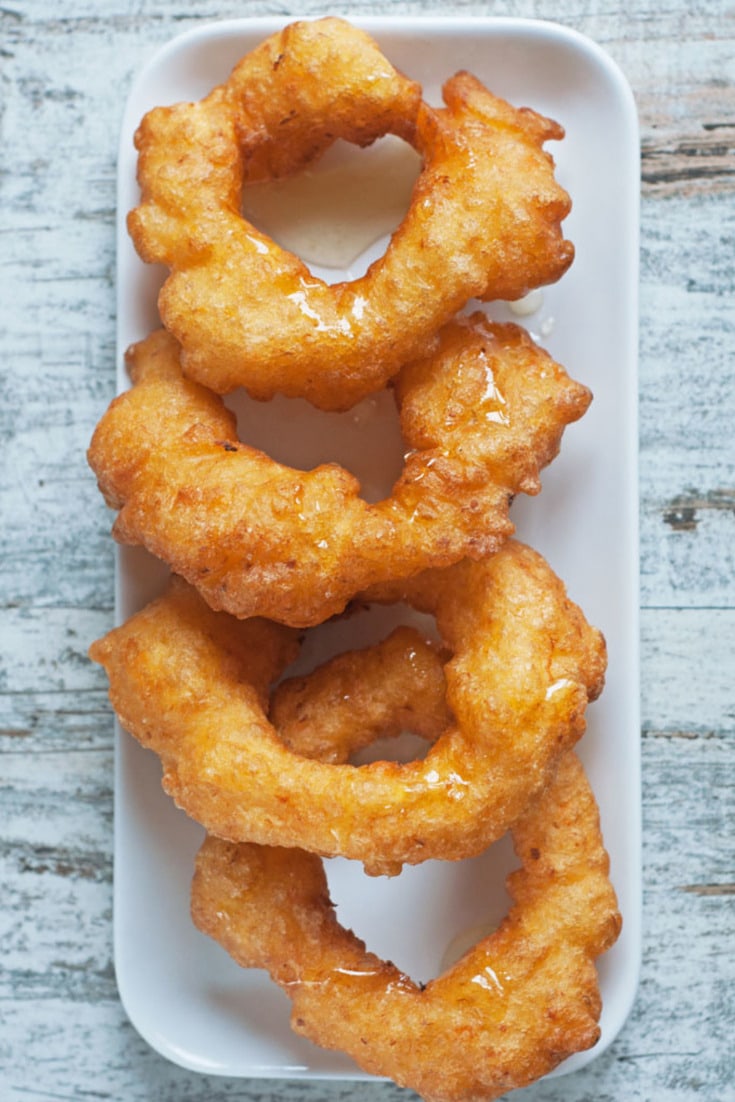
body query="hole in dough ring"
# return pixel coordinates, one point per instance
(513, 1007)
(192, 684)
(484, 219)
(480, 418)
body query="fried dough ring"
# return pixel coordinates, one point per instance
(525, 663)
(484, 220)
(513, 1007)
(354, 699)
(481, 417)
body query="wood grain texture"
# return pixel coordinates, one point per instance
(64, 72)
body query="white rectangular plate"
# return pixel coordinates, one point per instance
(184, 995)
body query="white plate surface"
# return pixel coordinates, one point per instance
(183, 994)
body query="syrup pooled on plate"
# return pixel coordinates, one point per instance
(331, 213)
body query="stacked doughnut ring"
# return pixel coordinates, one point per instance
(524, 665)
(484, 221)
(515, 1005)
(481, 416)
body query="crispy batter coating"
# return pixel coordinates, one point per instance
(525, 663)
(356, 698)
(517, 1004)
(484, 220)
(480, 418)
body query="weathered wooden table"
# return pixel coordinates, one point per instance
(65, 72)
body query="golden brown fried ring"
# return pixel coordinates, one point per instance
(514, 1006)
(358, 697)
(480, 418)
(525, 663)
(484, 220)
